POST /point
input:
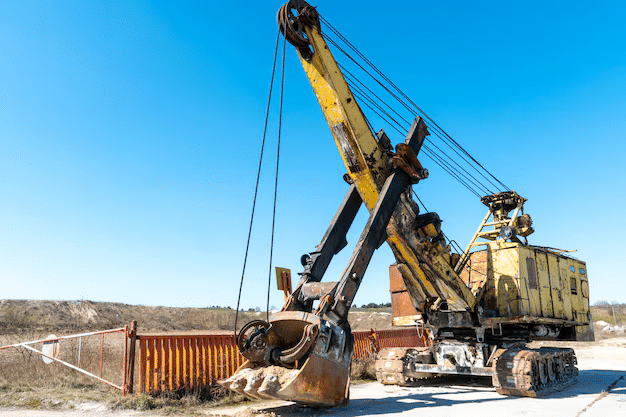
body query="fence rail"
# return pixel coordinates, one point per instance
(50, 350)
(187, 363)
(191, 363)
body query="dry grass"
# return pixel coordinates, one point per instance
(24, 368)
(605, 313)
(363, 369)
(25, 381)
(42, 317)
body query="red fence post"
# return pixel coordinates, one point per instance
(125, 364)
(130, 359)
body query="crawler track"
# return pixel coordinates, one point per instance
(533, 372)
(515, 372)
(393, 365)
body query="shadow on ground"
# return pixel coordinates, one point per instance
(462, 390)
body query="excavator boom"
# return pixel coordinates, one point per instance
(316, 344)
(368, 160)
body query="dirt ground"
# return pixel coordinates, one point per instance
(599, 391)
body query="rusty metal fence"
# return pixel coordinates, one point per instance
(178, 363)
(368, 343)
(191, 363)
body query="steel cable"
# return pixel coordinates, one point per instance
(444, 136)
(256, 187)
(476, 181)
(432, 155)
(280, 124)
(365, 59)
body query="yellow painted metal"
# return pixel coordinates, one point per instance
(530, 295)
(503, 281)
(557, 290)
(557, 287)
(279, 277)
(563, 277)
(365, 162)
(545, 290)
(404, 321)
(575, 285)
(343, 115)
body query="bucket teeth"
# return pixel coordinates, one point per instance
(238, 386)
(252, 387)
(270, 386)
(237, 382)
(256, 383)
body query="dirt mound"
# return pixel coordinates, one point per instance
(83, 315)
(73, 316)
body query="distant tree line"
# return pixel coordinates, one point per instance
(251, 309)
(604, 303)
(374, 305)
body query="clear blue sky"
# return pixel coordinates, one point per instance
(130, 134)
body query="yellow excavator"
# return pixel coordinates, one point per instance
(480, 307)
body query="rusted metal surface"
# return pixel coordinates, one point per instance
(401, 338)
(403, 312)
(406, 159)
(129, 362)
(283, 281)
(297, 356)
(317, 290)
(292, 27)
(192, 362)
(302, 358)
(401, 304)
(396, 282)
(533, 372)
(474, 273)
(174, 363)
(365, 344)
(368, 343)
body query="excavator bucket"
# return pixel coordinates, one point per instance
(297, 356)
